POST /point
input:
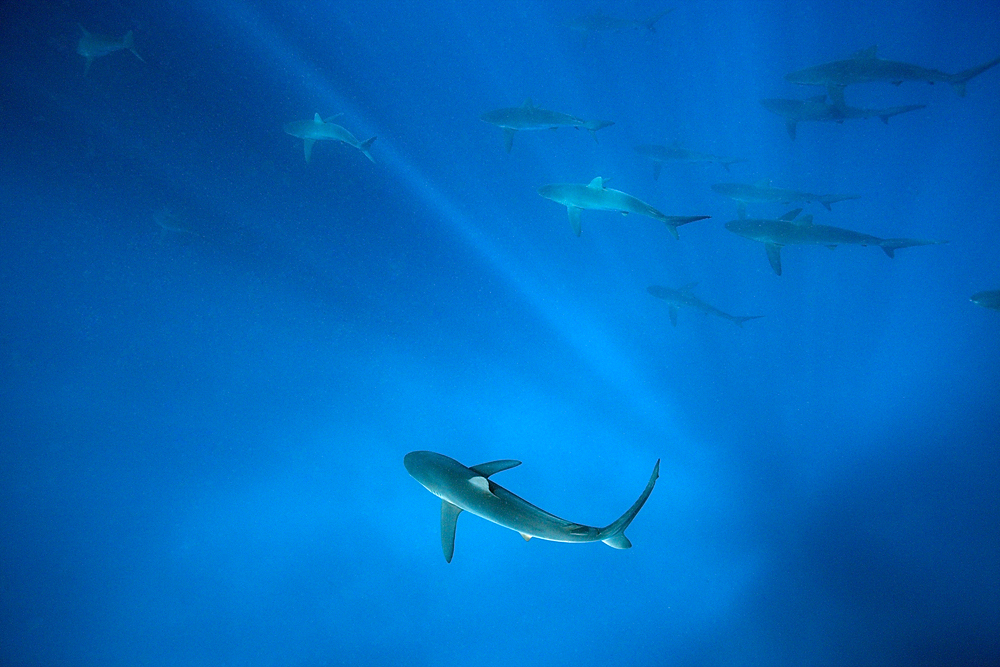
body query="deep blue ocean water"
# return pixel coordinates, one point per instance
(215, 355)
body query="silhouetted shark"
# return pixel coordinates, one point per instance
(529, 117)
(683, 298)
(661, 154)
(817, 109)
(93, 46)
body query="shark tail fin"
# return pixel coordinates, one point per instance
(675, 221)
(614, 535)
(364, 146)
(959, 80)
(739, 320)
(890, 246)
(593, 126)
(651, 22)
(128, 41)
(827, 200)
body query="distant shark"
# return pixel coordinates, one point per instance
(818, 109)
(603, 23)
(596, 197)
(865, 66)
(683, 298)
(761, 192)
(529, 117)
(93, 46)
(661, 154)
(311, 131)
(787, 230)
(988, 299)
(471, 490)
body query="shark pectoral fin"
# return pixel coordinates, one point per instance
(656, 170)
(493, 467)
(673, 310)
(526, 536)
(307, 147)
(449, 522)
(790, 126)
(774, 256)
(574, 219)
(508, 138)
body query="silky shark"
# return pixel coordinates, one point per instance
(596, 197)
(683, 298)
(789, 229)
(818, 109)
(761, 192)
(604, 23)
(529, 117)
(93, 46)
(674, 153)
(865, 66)
(471, 490)
(311, 131)
(988, 299)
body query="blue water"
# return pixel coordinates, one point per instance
(202, 428)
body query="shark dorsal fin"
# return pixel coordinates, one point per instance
(804, 221)
(527, 104)
(788, 217)
(763, 183)
(866, 54)
(481, 483)
(317, 119)
(596, 184)
(493, 467)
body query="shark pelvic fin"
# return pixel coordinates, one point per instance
(526, 536)
(481, 483)
(449, 522)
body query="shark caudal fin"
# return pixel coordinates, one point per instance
(890, 246)
(895, 111)
(363, 147)
(128, 42)
(593, 126)
(740, 319)
(614, 535)
(675, 221)
(826, 200)
(650, 23)
(959, 80)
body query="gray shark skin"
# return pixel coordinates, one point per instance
(988, 299)
(762, 193)
(596, 197)
(470, 489)
(787, 230)
(311, 131)
(817, 109)
(865, 66)
(529, 117)
(604, 23)
(661, 154)
(93, 46)
(683, 298)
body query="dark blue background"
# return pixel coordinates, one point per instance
(201, 435)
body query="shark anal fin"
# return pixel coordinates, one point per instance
(449, 522)
(574, 219)
(508, 138)
(774, 256)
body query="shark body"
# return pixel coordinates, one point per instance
(763, 193)
(529, 117)
(865, 66)
(93, 46)
(789, 229)
(683, 298)
(470, 490)
(660, 154)
(987, 299)
(818, 109)
(311, 131)
(596, 197)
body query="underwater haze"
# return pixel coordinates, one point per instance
(216, 353)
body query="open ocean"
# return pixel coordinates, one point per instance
(214, 355)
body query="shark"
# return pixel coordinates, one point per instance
(595, 196)
(988, 299)
(674, 153)
(865, 66)
(311, 131)
(93, 46)
(529, 117)
(592, 23)
(818, 109)
(761, 192)
(471, 490)
(683, 298)
(789, 229)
